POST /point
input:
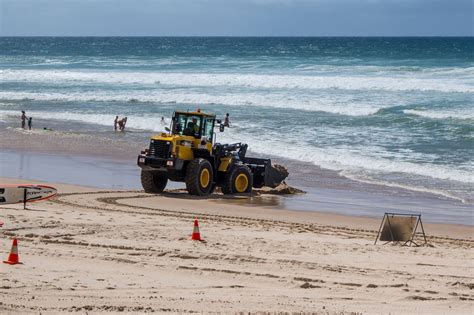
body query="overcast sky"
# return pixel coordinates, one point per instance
(236, 17)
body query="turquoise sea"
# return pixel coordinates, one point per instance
(392, 111)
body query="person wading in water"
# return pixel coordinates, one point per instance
(122, 123)
(116, 122)
(23, 119)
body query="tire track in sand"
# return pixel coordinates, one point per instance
(232, 219)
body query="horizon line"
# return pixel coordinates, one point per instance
(246, 36)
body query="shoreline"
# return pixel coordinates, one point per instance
(124, 147)
(109, 160)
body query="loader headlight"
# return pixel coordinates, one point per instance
(169, 163)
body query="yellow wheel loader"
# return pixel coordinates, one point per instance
(188, 153)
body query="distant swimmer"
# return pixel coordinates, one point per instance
(23, 119)
(122, 123)
(162, 121)
(30, 122)
(116, 123)
(226, 120)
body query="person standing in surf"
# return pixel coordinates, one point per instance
(226, 120)
(30, 122)
(116, 123)
(23, 119)
(122, 123)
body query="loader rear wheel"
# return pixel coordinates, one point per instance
(199, 177)
(154, 182)
(238, 180)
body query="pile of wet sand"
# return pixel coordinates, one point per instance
(282, 189)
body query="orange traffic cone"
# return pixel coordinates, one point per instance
(13, 258)
(196, 235)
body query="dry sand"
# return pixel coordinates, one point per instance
(127, 251)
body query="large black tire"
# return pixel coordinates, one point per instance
(154, 182)
(199, 177)
(238, 180)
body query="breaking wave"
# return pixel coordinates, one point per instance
(257, 81)
(462, 115)
(274, 100)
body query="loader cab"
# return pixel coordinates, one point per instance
(195, 124)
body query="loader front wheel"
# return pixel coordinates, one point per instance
(238, 180)
(154, 182)
(199, 177)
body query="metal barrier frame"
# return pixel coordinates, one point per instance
(411, 240)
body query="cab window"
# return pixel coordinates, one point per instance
(187, 125)
(208, 128)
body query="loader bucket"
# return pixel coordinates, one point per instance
(274, 175)
(264, 174)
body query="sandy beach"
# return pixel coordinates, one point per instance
(92, 250)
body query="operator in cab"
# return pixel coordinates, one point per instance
(195, 126)
(192, 128)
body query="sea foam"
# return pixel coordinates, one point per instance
(260, 81)
(467, 114)
(275, 100)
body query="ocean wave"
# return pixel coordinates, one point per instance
(8, 104)
(461, 115)
(340, 159)
(259, 81)
(467, 72)
(368, 179)
(271, 100)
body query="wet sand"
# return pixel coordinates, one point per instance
(93, 250)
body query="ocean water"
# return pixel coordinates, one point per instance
(392, 111)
